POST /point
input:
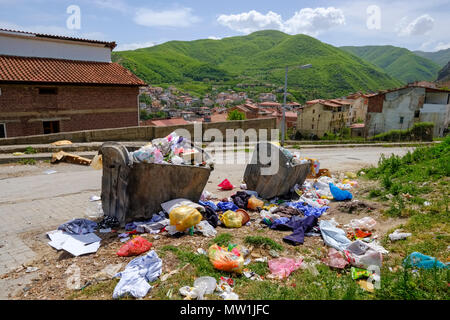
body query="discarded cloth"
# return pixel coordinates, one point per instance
(299, 225)
(307, 210)
(157, 217)
(211, 216)
(283, 267)
(209, 204)
(138, 273)
(417, 259)
(151, 227)
(240, 199)
(332, 236)
(79, 226)
(225, 206)
(338, 194)
(287, 211)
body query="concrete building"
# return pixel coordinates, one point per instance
(51, 84)
(321, 116)
(399, 109)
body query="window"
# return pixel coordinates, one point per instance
(48, 91)
(312, 126)
(2, 130)
(314, 110)
(312, 119)
(417, 114)
(401, 120)
(50, 126)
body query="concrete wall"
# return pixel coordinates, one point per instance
(141, 133)
(318, 119)
(397, 104)
(439, 114)
(29, 46)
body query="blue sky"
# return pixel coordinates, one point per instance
(416, 25)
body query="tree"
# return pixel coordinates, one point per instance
(236, 115)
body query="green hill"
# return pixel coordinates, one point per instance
(399, 63)
(444, 74)
(258, 58)
(441, 57)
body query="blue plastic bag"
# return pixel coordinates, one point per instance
(417, 259)
(338, 194)
(225, 206)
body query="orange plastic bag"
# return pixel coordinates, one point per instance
(228, 259)
(134, 247)
(254, 203)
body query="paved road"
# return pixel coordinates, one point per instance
(31, 200)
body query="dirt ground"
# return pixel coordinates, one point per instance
(55, 273)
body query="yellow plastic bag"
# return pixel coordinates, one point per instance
(228, 259)
(231, 219)
(184, 217)
(254, 203)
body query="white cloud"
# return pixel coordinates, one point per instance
(308, 21)
(181, 17)
(314, 21)
(420, 26)
(442, 46)
(248, 22)
(214, 38)
(134, 46)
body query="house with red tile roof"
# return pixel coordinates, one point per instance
(51, 84)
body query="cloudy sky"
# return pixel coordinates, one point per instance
(413, 24)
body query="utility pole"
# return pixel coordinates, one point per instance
(283, 120)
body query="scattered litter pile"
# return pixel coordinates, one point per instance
(302, 211)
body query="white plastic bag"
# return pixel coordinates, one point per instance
(366, 223)
(206, 229)
(397, 235)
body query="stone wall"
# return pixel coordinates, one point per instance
(140, 133)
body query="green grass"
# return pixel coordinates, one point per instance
(222, 239)
(411, 174)
(263, 242)
(29, 150)
(27, 161)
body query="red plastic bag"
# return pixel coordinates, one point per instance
(226, 185)
(134, 247)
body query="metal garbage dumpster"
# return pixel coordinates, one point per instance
(134, 191)
(285, 176)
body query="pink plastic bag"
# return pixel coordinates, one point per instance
(335, 259)
(226, 185)
(283, 267)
